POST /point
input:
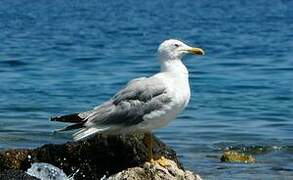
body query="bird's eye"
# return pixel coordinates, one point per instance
(176, 45)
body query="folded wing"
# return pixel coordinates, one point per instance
(127, 108)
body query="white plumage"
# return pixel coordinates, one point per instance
(145, 103)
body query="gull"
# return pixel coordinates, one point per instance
(144, 104)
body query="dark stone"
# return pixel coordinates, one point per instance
(95, 157)
(15, 175)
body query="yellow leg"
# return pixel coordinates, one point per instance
(149, 143)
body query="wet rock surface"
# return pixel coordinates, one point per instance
(95, 157)
(15, 175)
(237, 157)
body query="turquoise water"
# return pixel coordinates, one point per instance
(59, 57)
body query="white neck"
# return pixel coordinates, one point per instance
(174, 66)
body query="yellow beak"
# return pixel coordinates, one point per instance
(196, 51)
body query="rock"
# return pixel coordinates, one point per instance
(155, 171)
(47, 171)
(95, 157)
(236, 157)
(15, 175)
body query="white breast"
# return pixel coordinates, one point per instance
(179, 91)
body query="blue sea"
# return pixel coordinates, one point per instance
(65, 56)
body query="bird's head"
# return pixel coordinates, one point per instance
(175, 49)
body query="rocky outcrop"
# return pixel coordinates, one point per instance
(155, 171)
(95, 158)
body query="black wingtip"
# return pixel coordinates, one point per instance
(53, 118)
(71, 127)
(70, 118)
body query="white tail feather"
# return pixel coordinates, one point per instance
(84, 133)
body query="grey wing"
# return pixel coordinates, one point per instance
(128, 106)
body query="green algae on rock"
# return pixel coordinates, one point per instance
(237, 157)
